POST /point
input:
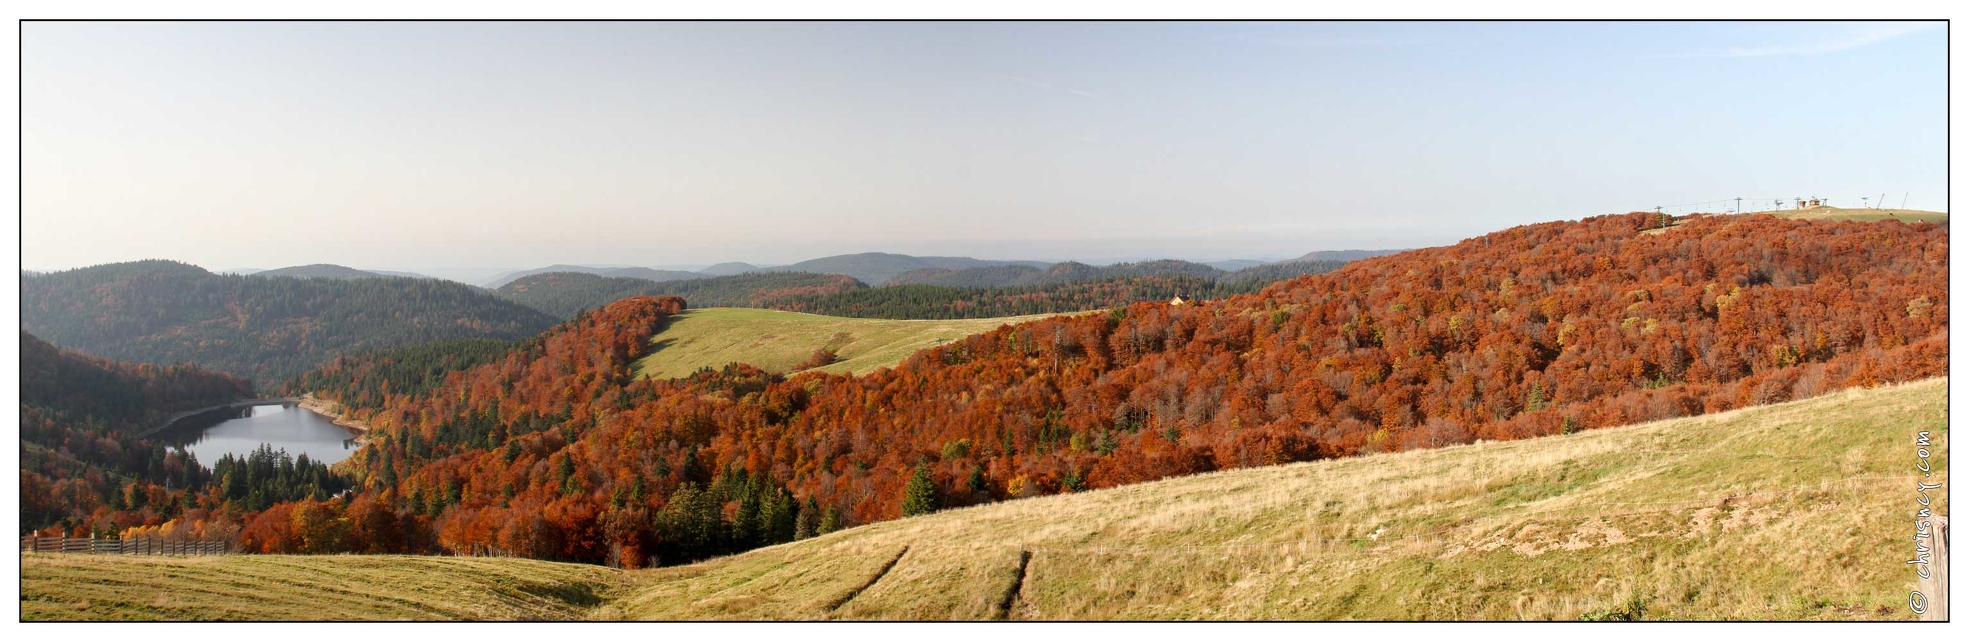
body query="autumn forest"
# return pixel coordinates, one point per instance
(550, 447)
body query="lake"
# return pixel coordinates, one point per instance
(240, 432)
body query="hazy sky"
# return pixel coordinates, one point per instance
(445, 146)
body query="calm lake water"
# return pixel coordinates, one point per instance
(240, 432)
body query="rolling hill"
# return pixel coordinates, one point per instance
(1790, 511)
(867, 267)
(646, 274)
(331, 271)
(777, 341)
(879, 267)
(729, 268)
(265, 329)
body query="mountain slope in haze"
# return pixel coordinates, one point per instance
(647, 274)
(253, 326)
(880, 267)
(331, 271)
(1066, 272)
(1342, 255)
(730, 268)
(1635, 522)
(1233, 265)
(562, 294)
(1532, 331)
(1015, 276)
(79, 417)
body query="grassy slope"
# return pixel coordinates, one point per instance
(1824, 213)
(282, 587)
(777, 341)
(1861, 214)
(1794, 511)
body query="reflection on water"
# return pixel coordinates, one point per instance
(241, 431)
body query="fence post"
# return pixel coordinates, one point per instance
(1935, 586)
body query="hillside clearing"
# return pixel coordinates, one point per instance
(1792, 511)
(777, 341)
(1829, 213)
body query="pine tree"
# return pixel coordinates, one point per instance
(976, 482)
(830, 521)
(919, 497)
(808, 522)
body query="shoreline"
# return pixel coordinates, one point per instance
(331, 410)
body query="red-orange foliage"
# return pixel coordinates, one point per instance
(1531, 331)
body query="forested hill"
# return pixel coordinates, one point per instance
(262, 328)
(647, 274)
(79, 416)
(331, 270)
(1535, 330)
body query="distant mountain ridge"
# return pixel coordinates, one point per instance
(1342, 255)
(564, 293)
(867, 267)
(647, 274)
(888, 268)
(880, 267)
(1075, 272)
(332, 271)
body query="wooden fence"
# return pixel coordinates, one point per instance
(132, 546)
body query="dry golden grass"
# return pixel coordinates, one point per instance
(1829, 213)
(292, 587)
(1793, 511)
(776, 341)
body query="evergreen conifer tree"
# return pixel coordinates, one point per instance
(919, 497)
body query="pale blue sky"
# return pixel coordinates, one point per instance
(446, 146)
